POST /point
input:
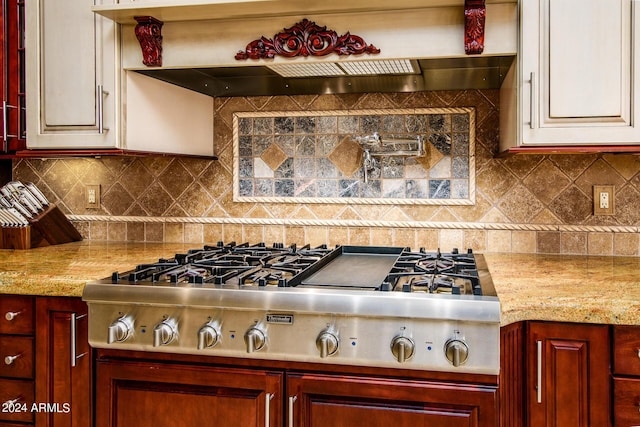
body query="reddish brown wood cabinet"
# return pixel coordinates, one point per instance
(146, 390)
(63, 363)
(316, 400)
(16, 360)
(626, 376)
(568, 375)
(148, 394)
(12, 87)
(512, 374)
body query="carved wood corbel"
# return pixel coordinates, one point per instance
(149, 35)
(475, 12)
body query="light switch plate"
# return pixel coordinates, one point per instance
(603, 200)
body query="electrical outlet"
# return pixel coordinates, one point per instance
(92, 196)
(603, 199)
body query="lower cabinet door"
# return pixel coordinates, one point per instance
(568, 375)
(150, 394)
(321, 400)
(63, 363)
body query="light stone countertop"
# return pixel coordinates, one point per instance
(567, 288)
(585, 289)
(63, 270)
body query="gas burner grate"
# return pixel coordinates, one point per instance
(233, 265)
(230, 264)
(436, 273)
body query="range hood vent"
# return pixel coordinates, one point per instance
(476, 72)
(352, 68)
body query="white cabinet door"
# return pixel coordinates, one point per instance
(71, 76)
(578, 72)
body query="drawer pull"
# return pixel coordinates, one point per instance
(8, 360)
(10, 315)
(639, 353)
(12, 404)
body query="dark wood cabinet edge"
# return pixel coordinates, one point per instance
(289, 366)
(571, 149)
(512, 384)
(38, 154)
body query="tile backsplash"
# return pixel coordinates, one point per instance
(524, 203)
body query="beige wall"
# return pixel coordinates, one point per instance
(525, 203)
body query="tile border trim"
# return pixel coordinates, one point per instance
(360, 223)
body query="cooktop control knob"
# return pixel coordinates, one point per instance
(208, 335)
(456, 351)
(402, 348)
(120, 330)
(327, 342)
(165, 332)
(255, 338)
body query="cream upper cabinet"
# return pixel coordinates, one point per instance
(78, 96)
(577, 75)
(71, 76)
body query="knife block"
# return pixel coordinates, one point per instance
(50, 227)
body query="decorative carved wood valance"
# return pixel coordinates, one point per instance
(475, 12)
(303, 39)
(149, 35)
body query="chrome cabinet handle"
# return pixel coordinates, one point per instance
(10, 315)
(267, 409)
(73, 334)
(11, 402)
(532, 103)
(5, 126)
(8, 360)
(292, 401)
(539, 373)
(101, 93)
(73, 340)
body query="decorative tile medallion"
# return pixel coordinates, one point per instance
(347, 156)
(396, 156)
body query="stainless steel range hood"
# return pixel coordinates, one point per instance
(478, 72)
(426, 43)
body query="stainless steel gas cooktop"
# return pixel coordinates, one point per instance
(349, 305)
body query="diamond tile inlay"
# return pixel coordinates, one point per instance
(347, 156)
(273, 156)
(431, 156)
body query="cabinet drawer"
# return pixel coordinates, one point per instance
(626, 402)
(16, 315)
(16, 356)
(626, 350)
(21, 393)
